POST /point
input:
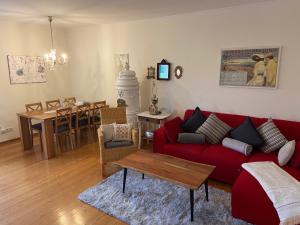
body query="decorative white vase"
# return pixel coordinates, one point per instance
(127, 87)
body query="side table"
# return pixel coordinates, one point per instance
(146, 117)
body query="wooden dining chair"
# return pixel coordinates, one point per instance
(63, 126)
(109, 155)
(69, 102)
(53, 104)
(36, 127)
(96, 113)
(82, 120)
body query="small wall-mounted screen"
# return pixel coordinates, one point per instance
(163, 70)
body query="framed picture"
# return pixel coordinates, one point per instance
(151, 73)
(26, 69)
(250, 67)
(163, 70)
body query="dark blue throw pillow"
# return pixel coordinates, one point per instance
(246, 132)
(194, 122)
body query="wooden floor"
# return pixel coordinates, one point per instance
(38, 192)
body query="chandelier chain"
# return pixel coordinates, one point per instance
(51, 32)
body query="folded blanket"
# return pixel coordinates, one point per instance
(282, 189)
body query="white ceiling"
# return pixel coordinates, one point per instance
(104, 11)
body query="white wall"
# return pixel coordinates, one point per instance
(190, 40)
(194, 42)
(27, 39)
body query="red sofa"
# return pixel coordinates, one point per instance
(249, 201)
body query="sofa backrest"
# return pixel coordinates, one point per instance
(290, 129)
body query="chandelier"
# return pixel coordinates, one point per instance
(51, 58)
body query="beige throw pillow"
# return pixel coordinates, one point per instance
(286, 153)
(108, 131)
(122, 131)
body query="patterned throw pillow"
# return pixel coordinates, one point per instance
(122, 131)
(272, 137)
(214, 129)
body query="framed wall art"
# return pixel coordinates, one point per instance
(250, 67)
(178, 72)
(163, 70)
(26, 69)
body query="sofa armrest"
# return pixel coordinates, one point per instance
(135, 136)
(159, 140)
(172, 129)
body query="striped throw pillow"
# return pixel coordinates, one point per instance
(213, 129)
(272, 137)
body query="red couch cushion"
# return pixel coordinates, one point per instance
(247, 192)
(250, 202)
(273, 157)
(228, 162)
(261, 156)
(295, 161)
(172, 129)
(192, 152)
(292, 171)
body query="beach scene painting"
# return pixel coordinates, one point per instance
(250, 67)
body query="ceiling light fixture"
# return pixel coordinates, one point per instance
(51, 58)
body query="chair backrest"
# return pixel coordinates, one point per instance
(113, 115)
(83, 113)
(63, 118)
(69, 102)
(100, 104)
(97, 106)
(34, 107)
(53, 104)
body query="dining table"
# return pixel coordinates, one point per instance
(46, 118)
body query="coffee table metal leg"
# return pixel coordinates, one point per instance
(124, 179)
(192, 203)
(206, 189)
(143, 176)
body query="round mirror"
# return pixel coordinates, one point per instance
(178, 72)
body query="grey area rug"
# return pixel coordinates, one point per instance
(155, 202)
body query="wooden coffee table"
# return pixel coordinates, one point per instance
(184, 173)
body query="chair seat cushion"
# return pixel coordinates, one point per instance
(81, 123)
(97, 118)
(63, 128)
(37, 126)
(117, 144)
